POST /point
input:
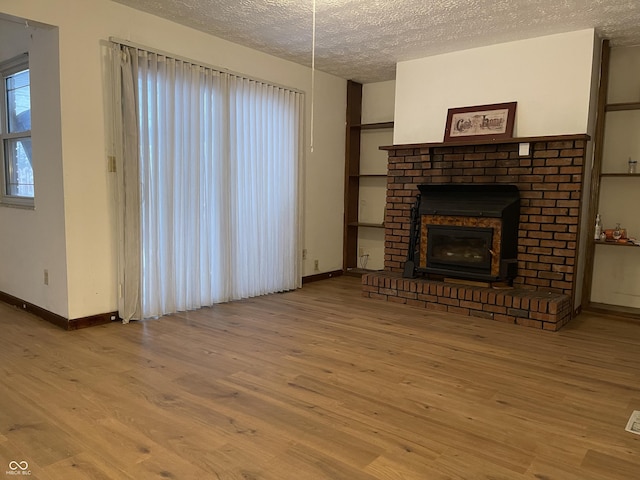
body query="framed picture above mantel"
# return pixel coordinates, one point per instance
(493, 121)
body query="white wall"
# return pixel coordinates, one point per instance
(549, 77)
(624, 75)
(324, 173)
(88, 224)
(33, 240)
(378, 102)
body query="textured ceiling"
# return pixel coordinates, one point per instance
(362, 40)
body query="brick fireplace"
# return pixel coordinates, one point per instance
(549, 177)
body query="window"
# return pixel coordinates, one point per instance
(15, 133)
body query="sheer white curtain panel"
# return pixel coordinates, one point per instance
(218, 182)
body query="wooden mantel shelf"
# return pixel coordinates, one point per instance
(489, 141)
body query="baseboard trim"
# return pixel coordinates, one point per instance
(56, 319)
(321, 276)
(614, 311)
(93, 320)
(50, 317)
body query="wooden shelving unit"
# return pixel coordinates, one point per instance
(353, 176)
(598, 177)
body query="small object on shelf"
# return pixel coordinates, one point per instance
(610, 234)
(617, 232)
(364, 259)
(603, 237)
(598, 231)
(632, 166)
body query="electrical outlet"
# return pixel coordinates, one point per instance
(304, 253)
(46, 276)
(315, 265)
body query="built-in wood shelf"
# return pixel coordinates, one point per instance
(359, 271)
(614, 244)
(620, 175)
(616, 107)
(365, 224)
(373, 126)
(360, 171)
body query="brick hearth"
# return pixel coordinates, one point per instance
(531, 308)
(550, 182)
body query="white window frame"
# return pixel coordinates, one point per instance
(8, 68)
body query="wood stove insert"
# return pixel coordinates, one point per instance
(465, 231)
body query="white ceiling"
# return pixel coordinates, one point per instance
(362, 40)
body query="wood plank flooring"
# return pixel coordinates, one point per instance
(319, 383)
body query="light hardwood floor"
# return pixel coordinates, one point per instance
(319, 384)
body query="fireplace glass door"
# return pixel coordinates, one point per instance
(462, 249)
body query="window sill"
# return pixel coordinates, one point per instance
(18, 205)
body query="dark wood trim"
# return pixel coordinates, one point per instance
(50, 317)
(549, 138)
(321, 276)
(620, 175)
(374, 126)
(577, 311)
(596, 172)
(93, 320)
(616, 311)
(56, 319)
(368, 225)
(618, 107)
(352, 172)
(613, 243)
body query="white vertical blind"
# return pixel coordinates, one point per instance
(218, 162)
